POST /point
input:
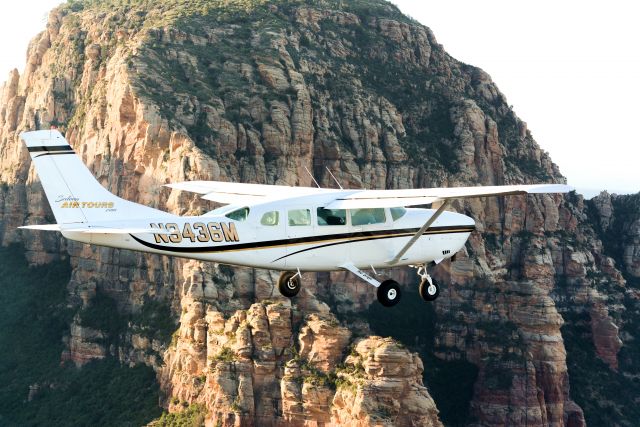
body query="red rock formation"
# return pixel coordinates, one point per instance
(146, 100)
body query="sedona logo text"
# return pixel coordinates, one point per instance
(90, 205)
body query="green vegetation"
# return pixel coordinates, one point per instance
(154, 321)
(312, 375)
(102, 314)
(250, 27)
(226, 354)
(234, 10)
(497, 376)
(626, 211)
(425, 107)
(343, 375)
(33, 320)
(603, 394)
(193, 416)
(369, 71)
(497, 331)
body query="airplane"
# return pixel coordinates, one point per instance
(276, 227)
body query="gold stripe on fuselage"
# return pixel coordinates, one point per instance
(325, 241)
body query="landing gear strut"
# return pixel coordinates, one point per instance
(429, 289)
(289, 283)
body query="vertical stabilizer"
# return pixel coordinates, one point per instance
(73, 192)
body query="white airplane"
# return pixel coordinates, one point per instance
(290, 229)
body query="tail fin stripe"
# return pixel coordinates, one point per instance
(53, 154)
(39, 148)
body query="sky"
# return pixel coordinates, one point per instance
(571, 70)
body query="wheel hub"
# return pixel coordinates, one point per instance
(431, 289)
(392, 294)
(291, 284)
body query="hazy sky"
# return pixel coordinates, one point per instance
(570, 68)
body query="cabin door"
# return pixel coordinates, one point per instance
(370, 229)
(300, 235)
(270, 237)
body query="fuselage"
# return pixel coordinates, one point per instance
(295, 233)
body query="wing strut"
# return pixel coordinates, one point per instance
(419, 233)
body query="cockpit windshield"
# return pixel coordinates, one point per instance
(397, 213)
(238, 214)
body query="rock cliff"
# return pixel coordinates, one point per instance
(255, 91)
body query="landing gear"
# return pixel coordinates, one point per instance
(289, 283)
(389, 293)
(429, 289)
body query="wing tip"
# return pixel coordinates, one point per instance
(551, 188)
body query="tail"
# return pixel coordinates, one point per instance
(73, 192)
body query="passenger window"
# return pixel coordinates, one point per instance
(397, 213)
(270, 218)
(332, 216)
(299, 217)
(367, 216)
(239, 214)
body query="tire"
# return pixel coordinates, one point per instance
(429, 292)
(289, 284)
(389, 293)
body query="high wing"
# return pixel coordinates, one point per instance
(240, 193)
(424, 196)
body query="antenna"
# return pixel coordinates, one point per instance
(314, 180)
(334, 178)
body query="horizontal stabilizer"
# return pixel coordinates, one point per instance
(108, 230)
(44, 227)
(96, 229)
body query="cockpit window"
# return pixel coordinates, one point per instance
(367, 216)
(397, 213)
(299, 217)
(270, 218)
(332, 216)
(239, 214)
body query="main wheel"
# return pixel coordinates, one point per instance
(389, 293)
(429, 291)
(289, 283)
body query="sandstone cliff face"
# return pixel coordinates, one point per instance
(254, 93)
(618, 222)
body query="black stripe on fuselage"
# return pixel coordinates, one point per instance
(341, 239)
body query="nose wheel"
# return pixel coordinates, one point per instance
(429, 289)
